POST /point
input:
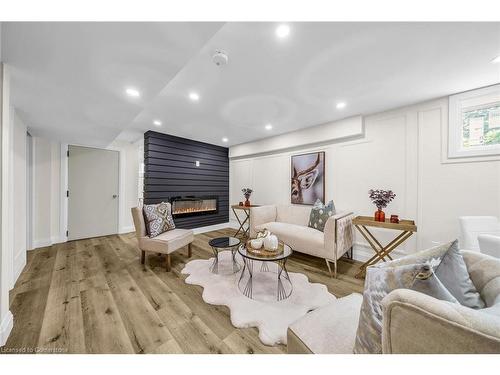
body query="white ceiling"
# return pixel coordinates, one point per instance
(69, 78)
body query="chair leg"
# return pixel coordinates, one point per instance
(169, 265)
(143, 256)
(328, 265)
(190, 251)
(335, 269)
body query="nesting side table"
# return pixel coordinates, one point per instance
(406, 228)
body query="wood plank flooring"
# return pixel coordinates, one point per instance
(94, 296)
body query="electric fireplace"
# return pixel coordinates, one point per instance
(191, 205)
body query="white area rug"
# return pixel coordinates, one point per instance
(272, 317)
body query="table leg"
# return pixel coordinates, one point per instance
(242, 224)
(281, 293)
(382, 252)
(264, 267)
(214, 268)
(247, 220)
(396, 242)
(236, 265)
(375, 245)
(248, 265)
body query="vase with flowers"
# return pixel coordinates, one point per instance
(247, 192)
(381, 198)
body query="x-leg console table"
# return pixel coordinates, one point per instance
(407, 228)
(245, 221)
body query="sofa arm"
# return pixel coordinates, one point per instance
(338, 235)
(416, 323)
(261, 215)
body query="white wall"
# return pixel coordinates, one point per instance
(50, 170)
(130, 159)
(46, 192)
(18, 203)
(401, 150)
(6, 256)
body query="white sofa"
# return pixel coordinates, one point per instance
(290, 224)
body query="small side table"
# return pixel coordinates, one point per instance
(224, 243)
(407, 228)
(244, 229)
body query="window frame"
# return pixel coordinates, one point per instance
(457, 103)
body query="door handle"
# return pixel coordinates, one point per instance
(115, 196)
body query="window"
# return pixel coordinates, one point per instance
(474, 123)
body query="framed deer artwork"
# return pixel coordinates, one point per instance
(308, 178)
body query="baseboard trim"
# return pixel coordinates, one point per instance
(6, 327)
(362, 252)
(42, 243)
(47, 242)
(19, 264)
(233, 224)
(128, 229)
(209, 228)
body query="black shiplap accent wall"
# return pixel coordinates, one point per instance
(170, 171)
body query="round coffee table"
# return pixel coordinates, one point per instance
(265, 277)
(222, 244)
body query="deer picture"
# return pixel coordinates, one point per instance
(303, 180)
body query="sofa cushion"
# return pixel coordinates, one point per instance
(291, 214)
(330, 329)
(167, 242)
(320, 213)
(428, 283)
(484, 271)
(299, 238)
(452, 272)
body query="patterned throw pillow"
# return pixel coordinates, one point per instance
(320, 214)
(380, 281)
(158, 218)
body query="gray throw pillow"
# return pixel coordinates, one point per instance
(381, 279)
(158, 218)
(320, 214)
(426, 282)
(452, 272)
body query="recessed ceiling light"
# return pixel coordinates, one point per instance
(225, 140)
(496, 60)
(194, 96)
(132, 92)
(282, 31)
(157, 122)
(340, 105)
(268, 127)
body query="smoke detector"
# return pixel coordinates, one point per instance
(220, 58)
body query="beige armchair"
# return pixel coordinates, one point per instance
(165, 243)
(416, 323)
(412, 322)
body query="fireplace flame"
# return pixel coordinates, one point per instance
(187, 210)
(194, 206)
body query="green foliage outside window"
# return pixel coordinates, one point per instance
(491, 136)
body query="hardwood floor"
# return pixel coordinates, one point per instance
(94, 296)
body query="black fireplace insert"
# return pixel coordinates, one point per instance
(192, 205)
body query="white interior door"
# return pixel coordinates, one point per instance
(93, 192)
